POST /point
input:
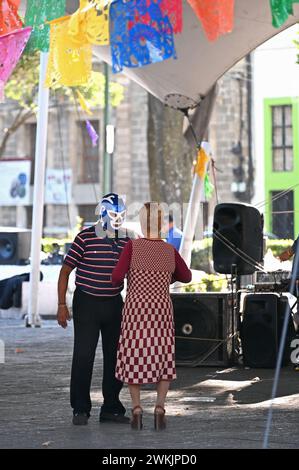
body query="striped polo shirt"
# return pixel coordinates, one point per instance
(94, 258)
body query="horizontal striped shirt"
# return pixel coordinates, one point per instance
(94, 258)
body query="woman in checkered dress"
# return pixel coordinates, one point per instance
(146, 345)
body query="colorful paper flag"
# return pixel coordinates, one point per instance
(208, 187)
(174, 10)
(92, 133)
(9, 18)
(11, 48)
(90, 23)
(281, 9)
(216, 16)
(140, 34)
(69, 62)
(38, 13)
(83, 103)
(201, 163)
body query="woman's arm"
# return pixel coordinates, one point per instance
(182, 273)
(123, 264)
(286, 254)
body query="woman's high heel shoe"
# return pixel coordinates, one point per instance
(136, 420)
(159, 418)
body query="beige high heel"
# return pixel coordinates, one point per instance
(136, 420)
(159, 418)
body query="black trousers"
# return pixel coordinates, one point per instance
(92, 315)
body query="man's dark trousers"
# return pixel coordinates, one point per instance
(91, 316)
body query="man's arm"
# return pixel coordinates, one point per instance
(63, 314)
(123, 264)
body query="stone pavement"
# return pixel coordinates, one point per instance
(207, 407)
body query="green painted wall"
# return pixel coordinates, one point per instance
(280, 180)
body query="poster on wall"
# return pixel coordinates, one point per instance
(58, 186)
(15, 182)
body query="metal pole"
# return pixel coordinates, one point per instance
(192, 213)
(107, 158)
(38, 192)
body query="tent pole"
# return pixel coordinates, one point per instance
(38, 192)
(192, 213)
(107, 170)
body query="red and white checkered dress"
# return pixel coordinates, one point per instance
(147, 342)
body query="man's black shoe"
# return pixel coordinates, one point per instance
(114, 418)
(80, 419)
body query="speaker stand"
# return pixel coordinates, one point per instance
(235, 311)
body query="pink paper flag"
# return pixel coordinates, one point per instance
(11, 48)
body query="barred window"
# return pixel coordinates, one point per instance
(283, 213)
(282, 138)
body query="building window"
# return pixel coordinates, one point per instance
(89, 156)
(283, 214)
(282, 138)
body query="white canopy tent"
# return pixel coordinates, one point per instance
(199, 62)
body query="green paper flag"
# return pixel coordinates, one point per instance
(38, 12)
(281, 9)
(208, 187)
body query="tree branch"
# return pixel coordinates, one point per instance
(18, 121)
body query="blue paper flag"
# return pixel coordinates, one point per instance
(139, 34)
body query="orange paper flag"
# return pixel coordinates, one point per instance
(216, 16)
(9, 18)
(201, 164)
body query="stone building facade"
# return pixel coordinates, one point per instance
(68, 147)
(230, 135)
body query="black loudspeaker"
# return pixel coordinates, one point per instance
(204, 327)
(239, 226)
(14, 245)
(261, 328)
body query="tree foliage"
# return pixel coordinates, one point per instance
(22, 88)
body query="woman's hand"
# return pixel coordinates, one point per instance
(285, 255)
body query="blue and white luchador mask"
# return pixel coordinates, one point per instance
(112, 212)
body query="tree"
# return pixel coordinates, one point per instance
(170, 158)
(22, 88)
